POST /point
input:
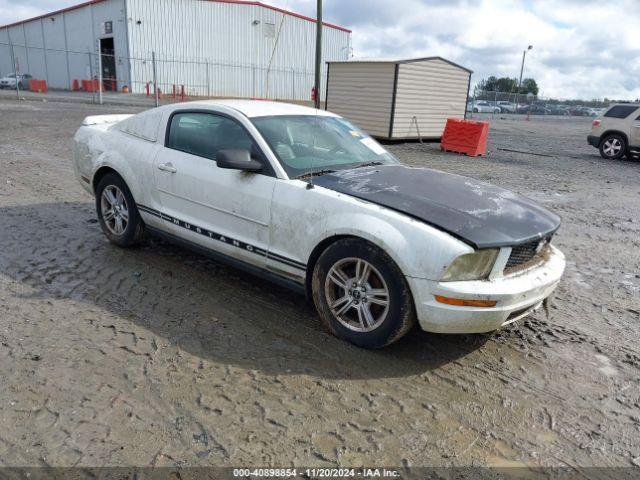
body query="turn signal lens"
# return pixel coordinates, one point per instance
(461, 302)
(471, 266)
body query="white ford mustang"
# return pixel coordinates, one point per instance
(311, 201)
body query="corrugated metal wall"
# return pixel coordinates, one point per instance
(431, 91)
(212, 48)
(227, 48)
(56, 47)
(362, 92)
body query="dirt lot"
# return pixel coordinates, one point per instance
(158, 356)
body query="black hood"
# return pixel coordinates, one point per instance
(480, 214)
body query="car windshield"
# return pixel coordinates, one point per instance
(310, 143)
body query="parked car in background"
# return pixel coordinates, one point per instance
(557, 109)
(305, 198)
(565, 109)
(9, 81)
(484, 106)
(507, 107)
(578, 111)
(534, 109)
(617, 132)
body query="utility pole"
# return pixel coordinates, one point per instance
(524, 54)
(100, 80)
(155, 79)
(318, 53)
(93, 90)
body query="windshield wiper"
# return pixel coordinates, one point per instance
(317, 173)
(370, 164)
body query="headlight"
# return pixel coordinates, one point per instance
(471, 266)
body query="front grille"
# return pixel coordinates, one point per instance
(527, 253)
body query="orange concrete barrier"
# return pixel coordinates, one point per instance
(91, 85)
(39, 86)
(465, 136)
(75, 85)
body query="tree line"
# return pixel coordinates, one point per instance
(508, 85)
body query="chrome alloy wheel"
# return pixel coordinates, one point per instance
(357, 294)
(115, 212)
(612, 147)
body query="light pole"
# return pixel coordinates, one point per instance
(524, 54)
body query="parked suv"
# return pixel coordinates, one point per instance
(617, 132)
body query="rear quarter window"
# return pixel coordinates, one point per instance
(620, 111)
(144, 125)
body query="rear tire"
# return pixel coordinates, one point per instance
(361, 295)
(117, 212)
(613, 147)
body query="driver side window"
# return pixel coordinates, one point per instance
(205, 134)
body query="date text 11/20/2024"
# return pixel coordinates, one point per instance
(315, 473)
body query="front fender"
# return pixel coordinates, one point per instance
(367, 227)
(418, 249)
(419, 252)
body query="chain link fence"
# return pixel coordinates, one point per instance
(512, 103)
(154, 80)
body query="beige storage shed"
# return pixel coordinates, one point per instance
(398, 99)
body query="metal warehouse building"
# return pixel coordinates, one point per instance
(399, 99)
(212, 47)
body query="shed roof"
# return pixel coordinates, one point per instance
(394, 61)
(239, 2)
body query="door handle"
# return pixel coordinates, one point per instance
(167, 167)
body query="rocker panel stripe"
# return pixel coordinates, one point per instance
(222, 238)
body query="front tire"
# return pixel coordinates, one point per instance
(613, 147)
(361, 295)
(117, 212)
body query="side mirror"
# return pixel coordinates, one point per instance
(237, 160)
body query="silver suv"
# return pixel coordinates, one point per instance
(617, 132)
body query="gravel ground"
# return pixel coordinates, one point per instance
(157, 356)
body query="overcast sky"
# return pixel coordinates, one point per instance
(581, 48)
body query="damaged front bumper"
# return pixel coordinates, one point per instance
(516, 295)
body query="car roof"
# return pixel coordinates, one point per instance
(259, 108)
